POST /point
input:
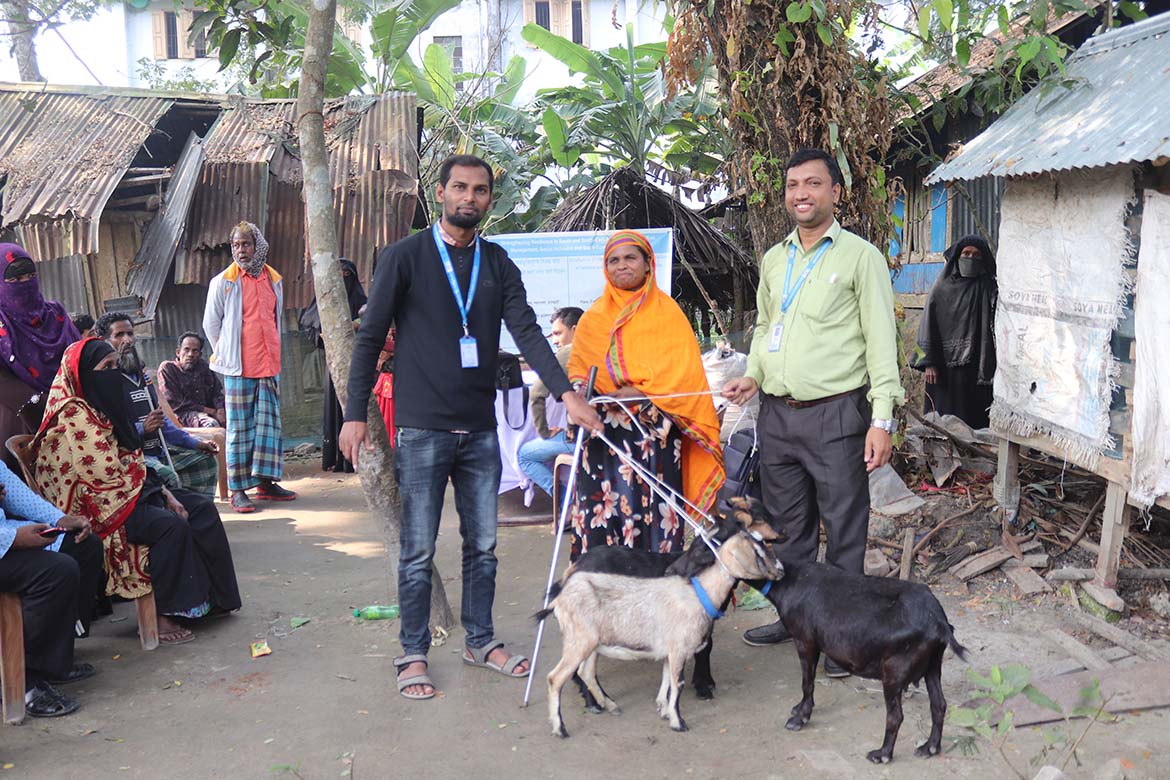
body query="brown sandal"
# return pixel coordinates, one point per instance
(180, 636)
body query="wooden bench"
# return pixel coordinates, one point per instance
(147, 614)
(12, 657)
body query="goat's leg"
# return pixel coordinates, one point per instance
(570, 661)
(892, 687)
(677, 663)
(938, 707)
(810, 656)
(591, 703)
(588, 678)
(701, 677)
(663, 697)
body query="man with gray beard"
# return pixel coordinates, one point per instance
(180, 459)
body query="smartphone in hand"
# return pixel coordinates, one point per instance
(52, 531)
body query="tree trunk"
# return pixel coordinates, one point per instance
(374, 468)
(22, 31)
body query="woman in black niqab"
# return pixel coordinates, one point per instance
(956, 335)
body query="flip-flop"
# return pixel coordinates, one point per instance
(180, 637)
(479, 658)
(403, 661)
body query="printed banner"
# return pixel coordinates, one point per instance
(566, 269)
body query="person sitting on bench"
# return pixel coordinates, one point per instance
(57, 574)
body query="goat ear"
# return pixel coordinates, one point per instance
(740, 502)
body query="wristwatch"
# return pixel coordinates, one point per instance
(889, 426)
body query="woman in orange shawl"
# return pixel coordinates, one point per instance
(89, 462)
(643, 346)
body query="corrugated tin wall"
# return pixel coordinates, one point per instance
(63, 280)
(986, 194)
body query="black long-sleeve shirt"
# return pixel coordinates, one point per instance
(431, 388)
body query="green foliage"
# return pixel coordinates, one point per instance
(622, 113)
(182, 80)
(999, 687)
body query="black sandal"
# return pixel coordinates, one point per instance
(48, 702)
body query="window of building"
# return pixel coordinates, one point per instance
(201, 45)
(578, 23)
(172, 32)
(544, 14)
(454, 46)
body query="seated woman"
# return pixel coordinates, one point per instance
(89, 462)
(643, 345)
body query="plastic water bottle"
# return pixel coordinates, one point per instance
(377, 612)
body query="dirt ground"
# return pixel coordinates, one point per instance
(323, 704)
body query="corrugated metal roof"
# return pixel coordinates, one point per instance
(152, 265)
(1116, 110)
(88, 141)
(252, 172)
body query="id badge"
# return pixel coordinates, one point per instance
(777, 337)
(468, 352)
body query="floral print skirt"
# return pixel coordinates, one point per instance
(614, 505)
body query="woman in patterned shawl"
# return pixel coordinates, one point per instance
(643, 345)
(89, 462)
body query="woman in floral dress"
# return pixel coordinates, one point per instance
(644, 348)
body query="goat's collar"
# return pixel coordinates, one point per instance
(712, 611)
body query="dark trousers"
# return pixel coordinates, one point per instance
(190, 560)
(92, 575)
(49, 583)
(812, 468)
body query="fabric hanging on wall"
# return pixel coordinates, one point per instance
(1062, 284)
(1150, 475)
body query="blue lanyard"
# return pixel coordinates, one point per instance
(789, 295)
(464, 308)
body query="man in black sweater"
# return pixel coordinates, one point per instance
(447, 292)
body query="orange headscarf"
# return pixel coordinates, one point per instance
(642, 338)
(81, 470)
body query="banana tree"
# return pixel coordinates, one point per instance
(479, 113)
(622, 114)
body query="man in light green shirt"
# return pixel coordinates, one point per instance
(824, 355)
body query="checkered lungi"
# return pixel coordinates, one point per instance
(193, 470)
(255, 448)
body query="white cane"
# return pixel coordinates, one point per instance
(565, 504)
(161, 439)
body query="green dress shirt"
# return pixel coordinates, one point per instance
(839, 333)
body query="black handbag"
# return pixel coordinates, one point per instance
(741, 459)
(508, 378)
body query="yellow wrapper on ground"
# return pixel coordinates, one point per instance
(260, 648)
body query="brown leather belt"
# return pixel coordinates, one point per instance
(794, 404)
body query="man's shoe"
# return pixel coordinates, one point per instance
(241, 503)
(79, 672)
(273, 492)
(48, 702)
(765, 636)
(834, 669)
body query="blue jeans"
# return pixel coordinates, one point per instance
(538, 456)
(424, 460)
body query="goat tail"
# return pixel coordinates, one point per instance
(553, 592)
(958, 649)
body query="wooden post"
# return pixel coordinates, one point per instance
(1006, 489)
(1114, 525)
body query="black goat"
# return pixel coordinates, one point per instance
(884, 629)
(643, 563)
